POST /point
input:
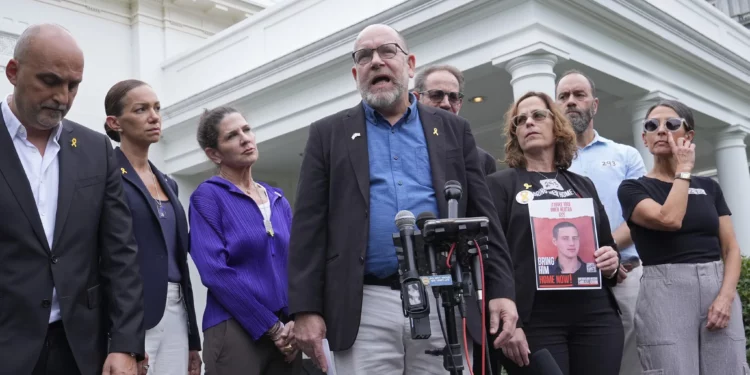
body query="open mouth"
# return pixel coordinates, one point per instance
(380, 80)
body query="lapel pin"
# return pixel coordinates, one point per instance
(434, 131)
(355, 135)
(74, 142)
(123, 171)
(527, 185)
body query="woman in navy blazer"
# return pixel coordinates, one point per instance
(160, 230)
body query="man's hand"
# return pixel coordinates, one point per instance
(194, 363)
(143, 365)
(503, 309)
(120, 364)
(310, 330)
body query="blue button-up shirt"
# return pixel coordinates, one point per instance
(607, 164)
(400, 179)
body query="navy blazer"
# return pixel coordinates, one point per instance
(152, 246)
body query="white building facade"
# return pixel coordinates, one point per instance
(290, 65)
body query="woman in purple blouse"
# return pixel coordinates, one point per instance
(239, 232)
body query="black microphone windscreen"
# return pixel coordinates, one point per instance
(403, 218)
(542, 363)
(424, 216)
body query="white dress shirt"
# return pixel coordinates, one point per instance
(43, 173)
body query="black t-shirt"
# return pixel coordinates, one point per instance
(698, 239)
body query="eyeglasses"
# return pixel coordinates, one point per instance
(536, 115)
(438, 95)
(672, 124)
(385, 51)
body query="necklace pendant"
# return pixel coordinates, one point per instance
(162, 212)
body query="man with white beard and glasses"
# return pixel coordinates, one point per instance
(607, 164)
(362, 166)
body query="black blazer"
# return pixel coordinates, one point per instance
(331, 219)
(152, 247)
(514, 220)
(487, 161)
(92, 264)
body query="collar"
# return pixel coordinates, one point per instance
(273, 194)
(597, 139)
(373, 116)
(15, 128)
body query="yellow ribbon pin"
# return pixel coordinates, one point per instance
(434, 131)
(527, 186)
(73, 142)
(123, 171)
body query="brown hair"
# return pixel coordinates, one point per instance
(208, 126)
(113, 104)
(565, 137)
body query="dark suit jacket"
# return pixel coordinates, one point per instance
(487, 161)
(331, 219)
(152, 246)
(514, 219)
(92, 264)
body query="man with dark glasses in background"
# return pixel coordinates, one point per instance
(442, 86)
(607, 164)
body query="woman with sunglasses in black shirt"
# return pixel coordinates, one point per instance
(688, 317)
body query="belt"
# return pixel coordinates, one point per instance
(629, 265)
(392, 281)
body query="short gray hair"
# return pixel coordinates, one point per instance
(421, 77)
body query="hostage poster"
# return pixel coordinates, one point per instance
(565, 239)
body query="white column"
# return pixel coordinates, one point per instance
(531, 67)
(734, 178)
(532, 72)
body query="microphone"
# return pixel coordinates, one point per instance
(542, 363)
(413, 294)
(421, 219)
(453, 194)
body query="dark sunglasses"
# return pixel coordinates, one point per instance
(672, 124)
(385, 51)
(437, 96)
(536, 115)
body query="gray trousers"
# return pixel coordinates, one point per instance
(670, 323)
(384, 345)
(229, 350)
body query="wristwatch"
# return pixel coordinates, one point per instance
(682, 176)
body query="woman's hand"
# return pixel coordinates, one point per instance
(607, 261)
(143, 365)
(684, 152)
(719, 313)
(286, 342)
(517, 349)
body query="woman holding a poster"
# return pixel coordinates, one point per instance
(688, 318)
(561, 244)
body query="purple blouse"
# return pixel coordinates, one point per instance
(243, 267)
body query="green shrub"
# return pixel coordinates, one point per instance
(743, 288)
